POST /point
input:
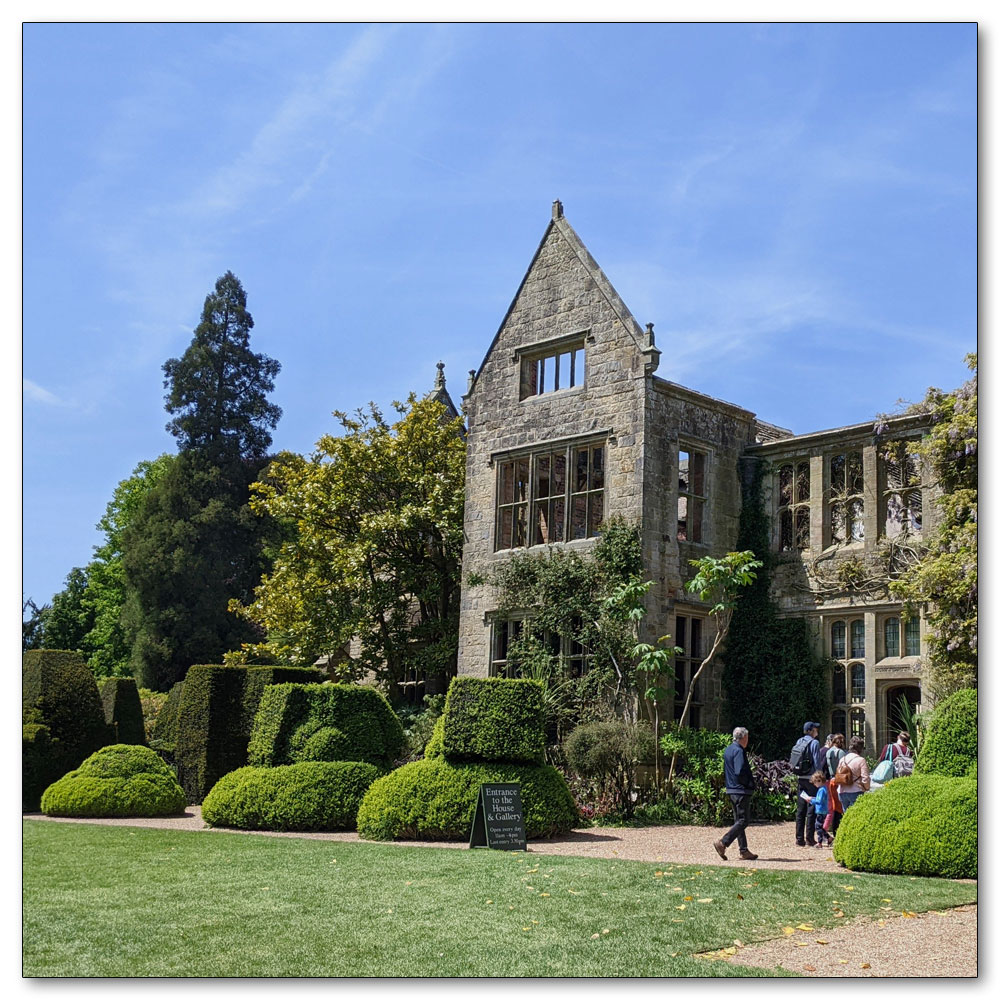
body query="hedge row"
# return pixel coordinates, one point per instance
(435, 799)
(123, 709)
(494, 719)
(921, 825)
(318, 795)
(324, 722)
(118, 780)
(217, 706)
(165, 727)
(58, 694)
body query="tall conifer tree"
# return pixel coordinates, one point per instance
(196, 545)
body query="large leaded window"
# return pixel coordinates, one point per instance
(555, 495)
(847, 649)
(847, 500)
(902, 490)
(793, 506)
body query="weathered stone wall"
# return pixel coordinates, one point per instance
(563, 294)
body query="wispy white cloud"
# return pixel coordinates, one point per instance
(38, 394)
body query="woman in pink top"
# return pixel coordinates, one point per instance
(861, 779)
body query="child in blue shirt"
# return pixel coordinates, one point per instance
(821, 805)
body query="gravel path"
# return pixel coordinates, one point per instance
(933, 944)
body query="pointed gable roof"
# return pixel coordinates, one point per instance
(643, 338)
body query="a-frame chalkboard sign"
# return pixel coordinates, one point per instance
(499, 819)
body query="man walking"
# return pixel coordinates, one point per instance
(739, 788)
(806, 759)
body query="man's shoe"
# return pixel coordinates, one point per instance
(800, 843)
(747, 856)
(721, 848)
(810, 843)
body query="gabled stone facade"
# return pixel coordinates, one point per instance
(567, 424)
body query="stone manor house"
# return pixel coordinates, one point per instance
(568, 423)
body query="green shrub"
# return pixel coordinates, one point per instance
(435, 799)
(318, 795)
(123, 709)
(609, 753)
(435, 745)
(152, 702)
(58, 691)
(119, 780)
(217, 705)
(37, 754)
(301, 722)
(921, 825)
(494, 719)
(951, 744)
(165, 727)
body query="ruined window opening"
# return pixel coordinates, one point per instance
(572, 656)
(839, 720)
(793, 506)
(691, 495)
(564, 490)
(562, 369)
(903, 490)
(847, 501)
(857, 682)
(688, 634)
(858, 722)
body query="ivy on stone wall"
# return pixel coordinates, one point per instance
(773, 679)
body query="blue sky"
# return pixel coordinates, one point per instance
(794, 207)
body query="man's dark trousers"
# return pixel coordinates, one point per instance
(741, 816)
(805, 814)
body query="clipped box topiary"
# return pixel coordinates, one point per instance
(59, 692)
(165, 727)
(317, 795)
(213, 721)
(123, 709)
(303, 722)
(951, 744)
(494, 719)
(118, 780)
(920, 825)
(435, 799)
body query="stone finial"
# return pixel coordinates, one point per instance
(439, 378)
(557, 210)
(472, 378)
(649, 334)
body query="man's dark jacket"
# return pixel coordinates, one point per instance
(739, 779)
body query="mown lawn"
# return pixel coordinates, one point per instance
(114, 901)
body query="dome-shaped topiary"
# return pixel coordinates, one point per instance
(314, 795)
(435, 799)
(951, 744)
(119, 780)
(921, 825)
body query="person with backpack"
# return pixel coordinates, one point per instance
(835, 754)
(806, 758)
(853, 773)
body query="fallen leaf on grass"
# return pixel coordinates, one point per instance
(738, 896)
(607, 930)
(908, 913)
(683, 906)
(805, 927)
(543, 895)
(687, 899)
(708, 899)
(884, 900)
(593, 936)
(788, 930)
(489, 902)
(737, 942)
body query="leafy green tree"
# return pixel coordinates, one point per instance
(372, 549)
(70, 618)
(32, 626)
(107, 643)
(195, 545)
(945, 580)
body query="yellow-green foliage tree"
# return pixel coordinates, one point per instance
(372, 549)
(945, 580)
